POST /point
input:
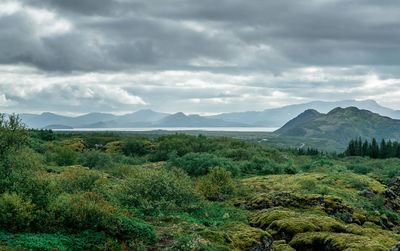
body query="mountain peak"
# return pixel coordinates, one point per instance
(339, 110)
(304, 117)
(145, 111)
(179, 114)
(310, 111)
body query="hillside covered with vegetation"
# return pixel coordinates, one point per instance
(341, 125)
(102, 191)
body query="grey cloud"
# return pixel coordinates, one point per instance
(82, 7)
(268, 44)
(121, 35)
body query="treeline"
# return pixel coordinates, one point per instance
(384, 149)
(303, 151)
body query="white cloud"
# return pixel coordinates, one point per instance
(9, 8)
(5, 102)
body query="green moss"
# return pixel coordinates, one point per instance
(279, 246)
(113, 147)
(259, 201)
(330, 204)
(77, 144)
(336, 241)
(264, 218)
(244, 237)
(288, 227)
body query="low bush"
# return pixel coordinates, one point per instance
(43, 241)
(65, 156)
(113, 147)
(129, 228)
(215, 184)
(154, 190)
(82, 211)
(30, 185)
(89, 211)
(134, 147)
(361, 169)
(15, 213)
(261, 165)
(95, 159)
(197, 164)
(77, 179)
(181, 144)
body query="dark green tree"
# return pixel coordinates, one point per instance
(365, 148)
(374, 149)
(383, 151)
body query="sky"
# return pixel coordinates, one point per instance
(206, 57)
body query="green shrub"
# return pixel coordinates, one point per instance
(134, 147)
(153, 190)
(237, 154)
(215, 184)
(307, 167)
(30, 185)
(196, 164)
(76, 179)
(181, 144)
(113, 147)
(130, 160)
(129, 228)
(95, 159)
(65, 156)
(45, 135)
(12, 135)
(290, 169)
(89, 211)
(37, 145)
(15, 213)
(261, 165)
(25, 158)
(82, 211)
(76, 144)
(361, 169)
(41, 241)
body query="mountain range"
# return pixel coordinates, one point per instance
(142, 118)
(341, 125)
(276, 117)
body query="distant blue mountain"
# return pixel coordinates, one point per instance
(181, 120)
(91, 120)
(147, 118)
(277, 117)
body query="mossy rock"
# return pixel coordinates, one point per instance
(358, 218)
(114, 146)
(288, 227)
(244, 237)
(283, 247)
(260, 201)
(384, 237)
(77, 144)
(330, 204)
(335, 241)
(300, 182)
(264, 218)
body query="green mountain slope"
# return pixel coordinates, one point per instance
(342, 125)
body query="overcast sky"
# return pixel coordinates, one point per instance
(195, 56)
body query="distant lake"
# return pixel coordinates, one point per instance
(145, 129)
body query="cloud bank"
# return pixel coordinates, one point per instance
(79, 56)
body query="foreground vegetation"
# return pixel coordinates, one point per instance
(182, 192)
